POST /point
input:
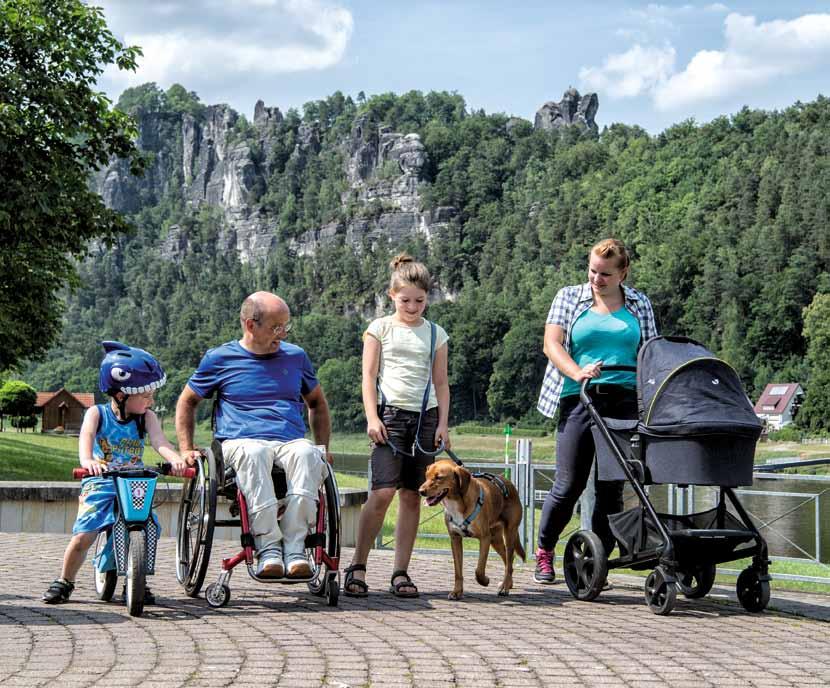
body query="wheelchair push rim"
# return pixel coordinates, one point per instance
(197, 518)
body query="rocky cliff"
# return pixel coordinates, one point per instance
(216, 160)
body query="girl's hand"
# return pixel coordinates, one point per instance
(442, 434)
(592, 370)
(376, 431)
(92, 466)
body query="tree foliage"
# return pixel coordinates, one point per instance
(55, 127)
(728, 223)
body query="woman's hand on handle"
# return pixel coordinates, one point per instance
(592, 370)
(442, 434)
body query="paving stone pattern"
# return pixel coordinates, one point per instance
(282, 636)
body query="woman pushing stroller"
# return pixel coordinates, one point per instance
(600, 322)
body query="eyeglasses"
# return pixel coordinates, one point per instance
(277, 330)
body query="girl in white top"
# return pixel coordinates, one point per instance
(396, 355)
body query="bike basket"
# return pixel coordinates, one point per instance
(135, 496)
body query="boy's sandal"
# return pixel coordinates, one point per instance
(395, 588)
(350, 580)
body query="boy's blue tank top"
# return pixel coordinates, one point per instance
(117, 443)
(613, 339)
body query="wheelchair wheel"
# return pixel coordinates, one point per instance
(105, 581)
(217, 595)
(326, 550)
(136, 573)
(197, 516)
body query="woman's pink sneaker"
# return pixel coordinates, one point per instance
(544, 567)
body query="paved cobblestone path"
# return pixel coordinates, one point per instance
(282, 636)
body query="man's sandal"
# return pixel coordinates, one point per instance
(350, 580)
(395, 588)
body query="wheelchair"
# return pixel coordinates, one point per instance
(197, 520)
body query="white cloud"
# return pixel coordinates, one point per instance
(636, 71)
(754, 53)
(228, 39)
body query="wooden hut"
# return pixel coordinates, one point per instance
(63, 409)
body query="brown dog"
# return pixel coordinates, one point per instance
(476, 507)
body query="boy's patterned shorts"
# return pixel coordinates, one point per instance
(96, 505)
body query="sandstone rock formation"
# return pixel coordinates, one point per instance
(573, 109)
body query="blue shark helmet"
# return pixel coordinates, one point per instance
(129, 370)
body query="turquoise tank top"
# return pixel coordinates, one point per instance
(117, 443)
(613, 339)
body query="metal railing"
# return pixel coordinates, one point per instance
(526, 476)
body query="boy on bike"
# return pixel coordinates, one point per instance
(112, 439)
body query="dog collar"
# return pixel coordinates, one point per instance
(464, 526)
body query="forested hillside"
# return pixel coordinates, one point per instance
(729, 223)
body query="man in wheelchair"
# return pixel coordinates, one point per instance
(261, 383)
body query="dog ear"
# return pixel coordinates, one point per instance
(462, 479)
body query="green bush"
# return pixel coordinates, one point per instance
(789, 433)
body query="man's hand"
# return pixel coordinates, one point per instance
(442, 434)
(190, 457)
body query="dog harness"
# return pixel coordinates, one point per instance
(464, 526)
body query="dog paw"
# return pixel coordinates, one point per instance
(482, 579)
(455, 595)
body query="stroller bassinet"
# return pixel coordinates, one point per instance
(696, 426)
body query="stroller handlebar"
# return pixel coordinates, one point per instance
(583, 388)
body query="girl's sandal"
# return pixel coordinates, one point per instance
(350, 581)
(395, 588)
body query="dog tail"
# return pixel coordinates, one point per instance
(521, 551)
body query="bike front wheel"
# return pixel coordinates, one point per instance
(136, 573)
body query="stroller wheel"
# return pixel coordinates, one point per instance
(660, 596)
(585, 565)
(697, 581)
(753, 592)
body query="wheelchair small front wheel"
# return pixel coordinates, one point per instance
(105, 581)
(217, 595)
(136, 573)
(333, 588)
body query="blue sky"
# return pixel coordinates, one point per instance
(652, 64)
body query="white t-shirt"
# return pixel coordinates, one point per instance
(404, 361)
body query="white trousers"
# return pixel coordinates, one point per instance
(304, 468)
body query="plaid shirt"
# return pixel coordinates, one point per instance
(568, 305)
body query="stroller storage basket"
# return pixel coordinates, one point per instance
(697, 538)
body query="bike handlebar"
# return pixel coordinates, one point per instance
(163, 468)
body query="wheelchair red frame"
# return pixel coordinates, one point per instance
(197, 521)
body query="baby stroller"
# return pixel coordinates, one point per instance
(696, 426)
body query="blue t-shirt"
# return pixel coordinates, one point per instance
(613, 339)
(117, 443)
(260, 395)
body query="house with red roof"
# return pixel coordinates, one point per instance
(63, 409)
(779, 403)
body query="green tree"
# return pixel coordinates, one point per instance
(16, 399)
(815, 411)
(341, 383)
(55, 128)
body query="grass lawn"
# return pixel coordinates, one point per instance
(32, 456)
